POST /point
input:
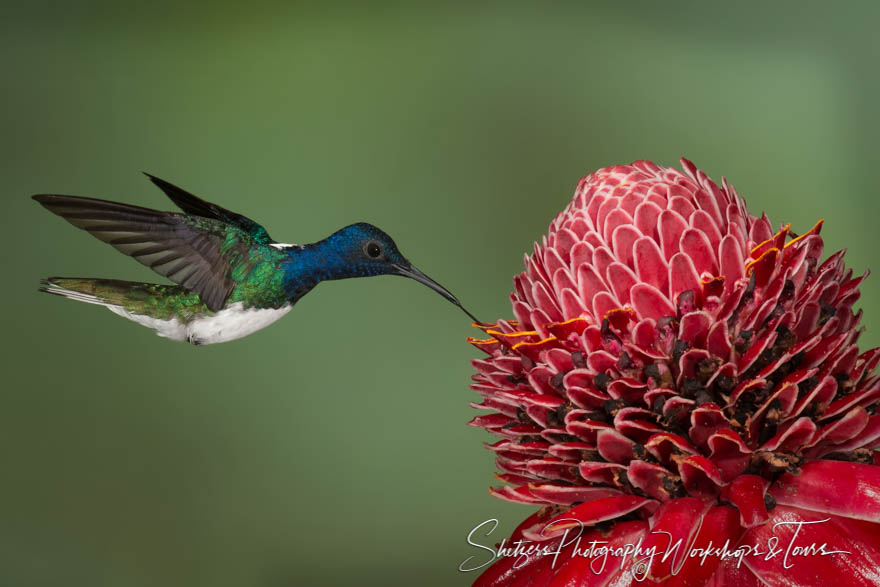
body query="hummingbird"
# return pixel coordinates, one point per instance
(230, 277)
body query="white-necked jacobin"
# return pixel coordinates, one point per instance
(231, 278)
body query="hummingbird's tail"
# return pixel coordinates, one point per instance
(166, 308)
(89, 291)
(105, 292)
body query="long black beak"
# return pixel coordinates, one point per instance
(414, 273)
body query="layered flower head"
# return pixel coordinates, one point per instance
(678, 369)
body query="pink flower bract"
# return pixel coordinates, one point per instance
(678, 366)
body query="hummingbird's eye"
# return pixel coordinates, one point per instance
(373, 250)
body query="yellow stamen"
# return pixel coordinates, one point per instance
(567, 322)
(473, 340)
(814, 230)
(512, 334)
(544, 341)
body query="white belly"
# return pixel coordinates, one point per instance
(230, 323)
(233, 321)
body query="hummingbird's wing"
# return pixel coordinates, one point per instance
(204, 255)
(192, 204)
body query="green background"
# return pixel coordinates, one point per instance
(331, 448)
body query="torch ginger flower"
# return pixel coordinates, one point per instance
(679, 370)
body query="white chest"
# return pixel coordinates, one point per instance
(233, 321)
(230, 323)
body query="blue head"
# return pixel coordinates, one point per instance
(363, 250)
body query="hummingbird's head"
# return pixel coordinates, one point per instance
(369, 249)
(373, 252)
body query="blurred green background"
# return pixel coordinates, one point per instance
(331, 447)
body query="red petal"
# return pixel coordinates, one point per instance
(650, 265)
(630, 390)
(792, 438)
(845, 489)
(623, 239)
(719, 525)
(629, 422)
(604, 302)
(683, 275)
(761, 230)
(646, 218)
(487, 345)
(649, 302)
(490, 421)
(533, 350)
(552, 469)
(577, 570)
(650, 478)
(682, 205)
(857, 565)
(746, 492)
(730, 573)
(754, 351)
(558, 269)
(599, 472)
(567, 495)
(700, 476)
(569, 328)
(546, 301)
(732, 260)
(571, 451)
(666, 445)
(590, 282)
(694, 328)
(696, 244)
(671, 226)
(679, 519)
(846, 428)
(512, 570)
(702, 221)
(515, 495)
(571, 303)
(763, 267)
(820, 394)
(718, 341)
(622, 280)
(585, 398)
(867, 438)
(705, 421)
(590, 513)
(729, 453)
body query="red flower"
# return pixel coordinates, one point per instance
(678, 370)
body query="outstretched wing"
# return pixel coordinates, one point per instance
(192, 204)
(203, 255)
